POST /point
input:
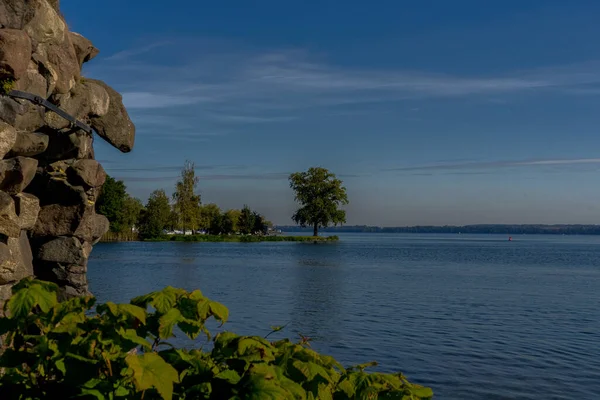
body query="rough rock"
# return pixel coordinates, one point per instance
(86, 172)
(99, 100)
(76, 220)
(85, 100)
(63, 146)
(10, 110)
(63, 274)
(44, 24)
(51, 187)
(15, 52)
(29, 144)
(84, 48)
(27, 208)
(8, 137)
(16, 173)
(5, 292)
(9, 221)
(33, 81)
(21, 114)
(67, 250)
(115, 127)
(18, 263)
(91, 229)
(58, 220)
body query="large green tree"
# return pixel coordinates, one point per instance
(111, 203)
(246, 221)
(187, 202)
(156, 216)
(320, 195)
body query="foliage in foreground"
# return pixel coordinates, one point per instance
(118, 351)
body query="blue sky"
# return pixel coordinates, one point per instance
(432, 112)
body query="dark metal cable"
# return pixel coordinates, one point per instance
(45, 103)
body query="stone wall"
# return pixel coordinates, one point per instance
(49, 180)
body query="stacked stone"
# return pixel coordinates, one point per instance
(49, 180)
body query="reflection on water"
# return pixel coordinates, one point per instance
(316, 292)
(475, 317)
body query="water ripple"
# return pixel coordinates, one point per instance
(474, 317)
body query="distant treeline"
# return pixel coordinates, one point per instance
(500, 229)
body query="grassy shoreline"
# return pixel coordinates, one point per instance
(242, 238)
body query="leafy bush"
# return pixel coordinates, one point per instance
(118, 351)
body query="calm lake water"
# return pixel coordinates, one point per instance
(472, 316)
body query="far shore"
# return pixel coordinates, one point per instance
(132, 237)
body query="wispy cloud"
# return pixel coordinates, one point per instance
(497, 164)
(259, 176)
(244, 85)
(249, 118)
(130, 53)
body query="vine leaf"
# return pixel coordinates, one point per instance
(23, 302)
(151, 371)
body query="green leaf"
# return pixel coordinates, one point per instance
(122, 392)
(422, 392)
(134, 311)
(219, 311)
(150, 370)
(324, 392)
(92, 392)
(259, 388)
(24, 300)
(229, 375)
(60, 365)
(310, 370)
(132, 336)
(347, 387)
(167, 322)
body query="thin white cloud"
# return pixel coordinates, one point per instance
(249, 118)
(496, 164)
(127, 54)
(246, 86)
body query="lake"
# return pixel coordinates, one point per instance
(472, 316)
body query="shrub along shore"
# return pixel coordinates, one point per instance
(243, 238)
(134, 237)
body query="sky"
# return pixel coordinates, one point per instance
(431, 112)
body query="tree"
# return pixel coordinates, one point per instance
(226, 225)
(261, 225)
(156, 216)
(246, 221)
(210, 215)
(111, 203)
(320, 195)
(187, 202)
(132, 208)
(234, 216)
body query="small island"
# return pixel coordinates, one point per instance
(183, 218)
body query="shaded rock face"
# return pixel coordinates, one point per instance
(49, 180)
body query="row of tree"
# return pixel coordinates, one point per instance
(319, 193)
(183, 212)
